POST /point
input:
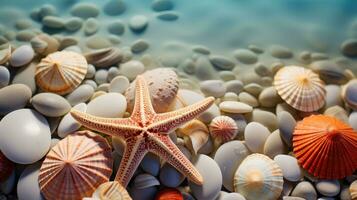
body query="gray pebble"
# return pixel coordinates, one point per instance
(305, 190)
(235, 107)
(68, 124)
(188, 66)
(213, 88)
(221, 62)
(138, 23)
(253, 89)
(112, 73)
(170, 177)
(255, 135)
(255, 49)
(319, 56)
(4, 76)
(235, 86)
(50, 104)
(119, 84)
(331, 98)
(80, 95)
(91, 26)
(305, 56)
(98, 42)
(201, 49)
(114, 7)
(53, 22)
(349, 47)
(274, 145)
(266, 118)
(108, 105)
(117, 27)
(21, 56)
(151, 164)
(278, 51)
(249, 99)
(290, 167)
(90, 71)
(162, 5)
(269, 97)
(103, 87)
(287, 125)
(92, 83)
(26, 76)
(328, 188)
(47, 10)
(204, 69)
(168, 15)
(262, 70)
(85, 10)
(73, 24)
(139, 46)
(14, 97)
(25, 35)
(245, 56)
(352, 120)
(132, 69)
(28, 187)
(227, 75)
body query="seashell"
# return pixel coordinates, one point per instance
(195, 134)
(169, 194)
(76, 166)
(325, 147)
(163, 85)
(44, 44)
(111, 191)
(301, 88)
(349, 93)
(353, 190)
(258, 177)
(61, 72)
(223, 129)
(5, 55)
(6, 167)
(104, 57)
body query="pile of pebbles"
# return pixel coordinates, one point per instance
(33, 121)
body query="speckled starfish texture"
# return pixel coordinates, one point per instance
(146, 131)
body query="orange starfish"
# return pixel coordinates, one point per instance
(146, 131)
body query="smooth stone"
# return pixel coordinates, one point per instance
(21, 56)
(230, 96)
(25, 35)
(213, 88)
(92, 83)
(119, 84)
(68, 124)
(212, 175)
(274, 145)
(170, 177)
(85, 10)
(162, 5)
(151, 164)
(139, 46)
(4, 76)
(114, 7)
(47, 10)
(328, 188)
(114, 39)
(108, 105)
(28, 187)
(292, 198)
(228, 157)
(345, 193)
(235, 107)
(266, 118)
(53, 22)
(222, 62)
(112, 73)
(26, 75)
(50, 104)
(91, 26)
(116, 27)
(255, 49)
(138, 23)
(305, 190)
(269, 97)
(352, 120)
(253, 89)
(290, 167)
(73, 24)
(329, 71)
(14, 97)
(245, 56)
(255, 135)
(235, 86)
(98, 42)
(90, 71)
(101, 76)
(286, 123)
(7, 186)
(227, 75)
(349, 47)
(23, 24)
(168, 15)
(103, 87)
(319, 56)
(132, 69)
(305, 56)
(249, 99)
(80, 95)
(331, 98)
(262, 70)
(201, 49)
(68, 41)
(204, 69)
(278, 51)
(22, 144)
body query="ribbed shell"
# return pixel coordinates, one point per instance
(61, 72)
(223, 128)
(353, 190)
(258, 177)
(169, 194)
(105, 57)
(6, 167)
(111, 191)
(325, 146)
(301, 88)
(75, 167)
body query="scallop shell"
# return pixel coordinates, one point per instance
(76, 166)
(353, 190)
(61, 72)
(301, 88)
(325, 147)
(223, 129)
(104, 57)
(195, 134)
(6, 167)
(111, 191)
(259, 177)
(163, 85)
(44, 44)
(169, 194)
(5, 55)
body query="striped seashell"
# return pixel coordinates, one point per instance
(5, 55)
(61, 72)
(111, 191)
(195, 134)
(104, 57)
(258, 177)
(76, 166)
(169, 194)
(353, 190)
(301, 88)
(6, 167)
(223, 129)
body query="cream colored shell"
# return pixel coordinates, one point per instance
(301, 88)
(61, 72)
(195, 134)
(258, 177)
(104, 57)
(353, 190)
(111, 191)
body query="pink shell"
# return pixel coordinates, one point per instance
(223, 128)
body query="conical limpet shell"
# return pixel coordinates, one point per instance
(259, 177)
(5, 55)
(76, 166)
(61, 72)
(104, 57)
(223, 129)
(195, 134)
(111, 191)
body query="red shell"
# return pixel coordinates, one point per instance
(325, 146)
(169, 194)
(6, 167)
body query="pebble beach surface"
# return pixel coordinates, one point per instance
(243, 145)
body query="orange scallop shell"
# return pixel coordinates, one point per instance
(76, 166)
(169, 194)
(6, 167)
(61, 72)
(301, 88)
(325, 146)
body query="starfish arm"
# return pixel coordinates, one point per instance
(162, 146)
(135, 151)
(121, 127)
(166, 122)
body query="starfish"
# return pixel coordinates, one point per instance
(146, 131)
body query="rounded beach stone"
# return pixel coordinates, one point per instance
(68, 124)
(4, 76)
(266, 118)
(201, 49)
(255, 135)
(150, 163)
(114, 7)
(139, 46)
(101, 76)
(213, 88)
(98, 42)
(91, 26)
(53, 22)
(25, 35)
(85, 10)
(21, 144)
(331, 98)
(274, 145)
(73, 24)
(253, 89)
(245, 56)
(47, 10)
(119, 84)
(235, 86)
(50, 104)
(204, 69)
(80, 95)
(305, 190)
(23, 24)
(132, 68)
(235, 107)
(27, 186)
(278, 51)
(22, 56)
(255, 49)
(328, 188)
(287, 125)
(170, 177)
(26, 76)
(14, 97)
(349, 47)
(249, 99)
(138, 23)
(352, 120)
(290, 167)
(162, 5)
(107, 105)
(168, 15)
(269, 97)
(212, 177)
(221, 62)
(90, 71)
(227, 75)
(116, 27)
(112, 73)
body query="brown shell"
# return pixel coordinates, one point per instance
(61, 72)
(301, 88)
(6, 167)
(76, 166)
(104, 57)
(111, 191)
